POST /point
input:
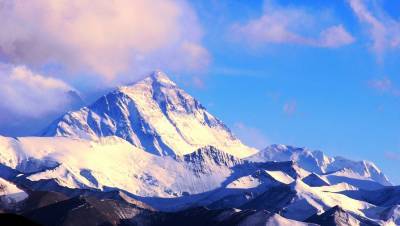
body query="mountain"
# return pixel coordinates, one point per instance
(10, 195)
(92, 210)
(206, 177)
(392, 214)
(336, 216)
(299, 201)
(388, 196)
(315, 180)
(227, 217)
(14, 219)
(334, 169)
(150, 154)
(112, 163)
(76, 100)
(39, 199)
(87, 210)
(154, 115)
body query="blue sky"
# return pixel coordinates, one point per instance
(320, 74)
(331, 102)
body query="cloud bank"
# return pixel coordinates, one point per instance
(104, 37)
(288, 25)
(24, 93)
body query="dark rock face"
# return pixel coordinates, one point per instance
(314, 180)
(336, 216)
(274, 199)
(200, 160)
(388, 196)
(87, 211)
(222, 217)
(9, 219)
(39, 199)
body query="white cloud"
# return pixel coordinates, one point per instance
(384, 31)
(334, 36)
(282, 25)
(27, 94)
(250, 135)
(103, 37)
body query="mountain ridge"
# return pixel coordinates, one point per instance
(152, 114)
(318, 162)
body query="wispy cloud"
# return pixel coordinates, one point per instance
(391, 155)
(290, 108)
(289, 25)
(103, 37)
(334, 36)
(384, 85)
(383, 30)
(250, 135)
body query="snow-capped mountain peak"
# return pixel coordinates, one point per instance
(319, 163)
(153, 114)
(162, 78)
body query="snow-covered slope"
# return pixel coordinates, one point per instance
(317, 162)
(299, 201)
(268, 219)
(10, 194)
(205, 177)
(154, 115)
(106, 163)
(113, 163)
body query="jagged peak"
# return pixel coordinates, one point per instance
(341, 171)
(208, 150)
(289, 167)
(298, 185)
(161, 78)
(338, 216)
(155, 78)
(211, 153)
(317, 161)
(315, 180)
(153, 114)
(334, 209)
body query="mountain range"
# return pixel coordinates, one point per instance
(150, 154)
